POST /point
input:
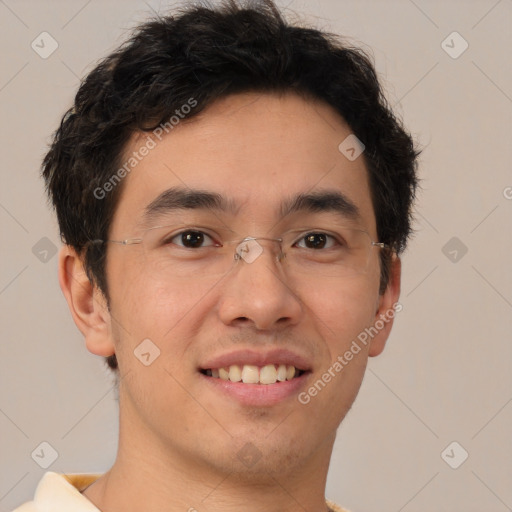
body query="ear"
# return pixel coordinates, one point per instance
(388, 306)
(86, 302)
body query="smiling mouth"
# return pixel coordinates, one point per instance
(251, 374)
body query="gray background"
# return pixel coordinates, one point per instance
(446, 373)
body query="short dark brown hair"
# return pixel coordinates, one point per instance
(208, 53)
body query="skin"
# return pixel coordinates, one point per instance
(179, 440)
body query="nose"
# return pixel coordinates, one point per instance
(256, 292)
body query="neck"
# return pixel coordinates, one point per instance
(118, 491)
(146, 476)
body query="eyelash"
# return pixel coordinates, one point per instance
(169, 240)
(332, 238)
(302, 238)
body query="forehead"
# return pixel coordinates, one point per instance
(255, 150)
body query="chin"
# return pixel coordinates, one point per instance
(265, 455)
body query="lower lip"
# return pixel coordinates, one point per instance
(260, 395)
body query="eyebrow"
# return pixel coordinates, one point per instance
(322, 201)
(179, 198)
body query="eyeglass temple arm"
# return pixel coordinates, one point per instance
(128, 241)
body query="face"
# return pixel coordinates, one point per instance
(254, 154)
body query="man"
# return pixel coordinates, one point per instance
(233, 194)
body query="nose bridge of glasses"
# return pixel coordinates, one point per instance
(251, 248)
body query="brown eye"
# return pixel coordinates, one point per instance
(192, 239)
(316, 241)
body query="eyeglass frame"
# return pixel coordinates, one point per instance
(237, 256)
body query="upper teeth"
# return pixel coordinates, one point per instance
(250, 374)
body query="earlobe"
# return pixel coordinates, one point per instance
(87, 304)
(387, 308)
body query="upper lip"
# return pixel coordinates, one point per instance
(257, 358)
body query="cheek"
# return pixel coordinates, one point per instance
(340, 314)
(148, 307)
(342, 311)
(144, 299)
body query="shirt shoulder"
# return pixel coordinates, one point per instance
(60, 493)
(332, 507)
